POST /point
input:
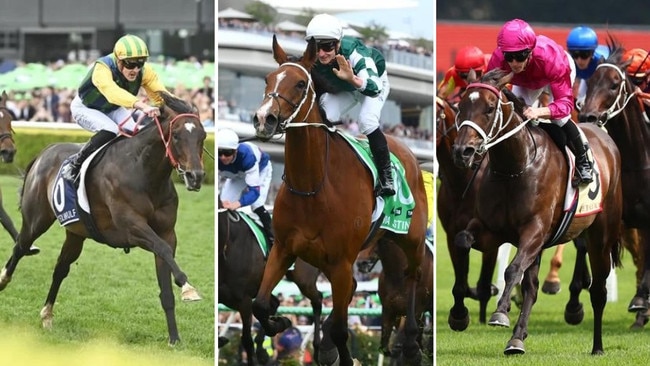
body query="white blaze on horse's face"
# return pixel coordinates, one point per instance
(189, 127)
(265, 109)
(473, 96)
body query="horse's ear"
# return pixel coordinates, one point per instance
(471, 76)
(309, 56)
(278, 53)
(505, 80)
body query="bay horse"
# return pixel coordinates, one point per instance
(322, 212)
(132, 197)
(520, 199)
(610, 102)
(241, 264)
(7, 153)
(456, 200)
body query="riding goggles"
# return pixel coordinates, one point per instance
(226, 152)
(583, 54)
(133, 64)
(464, 75)
(519, 56)
(327, 46)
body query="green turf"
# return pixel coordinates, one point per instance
(108, 304)
(550, 341)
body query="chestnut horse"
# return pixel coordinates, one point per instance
(322, 212)
(610, 102)
(7, 153)
(521, 198)
(132, 198)
(241, 265)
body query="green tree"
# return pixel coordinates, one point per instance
(264, 13)
(373, 32)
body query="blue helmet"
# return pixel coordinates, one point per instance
(582, 38)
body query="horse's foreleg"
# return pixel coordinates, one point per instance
(335, 329)
(305, 277)
(551, 284)
(484, 288)
(163, 275)
(459, 247)
(640, 300)
(70, 252)
(6, 222)
(601, 265)
(276, 266)
(529, 286)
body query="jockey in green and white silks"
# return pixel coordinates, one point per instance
(358, 73)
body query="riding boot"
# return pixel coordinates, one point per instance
(584, 167)
(381, 156)
(265, 217)
(71, 171)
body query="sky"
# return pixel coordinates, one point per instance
(417, 21)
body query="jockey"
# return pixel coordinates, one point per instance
(583, 47)
(540, 64)
(358, 73)
(247, 170)
(455, 80)
(107, 93)
(639, 73)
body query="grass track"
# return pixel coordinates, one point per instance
(550, 341)
(108, 311)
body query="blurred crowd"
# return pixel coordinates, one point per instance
(51, 103)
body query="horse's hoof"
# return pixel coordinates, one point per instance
(223, 341)
(514, 347)
(189, 293)
(458, 324)
(46, 317)
(355, 362)
(329, 357)
(499, 319)
(551, 288)
(4, 279)
(574, 316)
(33, 250)
(637, 304)
(173, 342)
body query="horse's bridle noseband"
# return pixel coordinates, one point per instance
(612, 111)
(296, 106)
(167, 141)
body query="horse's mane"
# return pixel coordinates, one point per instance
(616, 50)
(176, 104)
(321, 84)
(495, 78)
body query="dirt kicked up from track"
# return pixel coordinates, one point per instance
(21, 348)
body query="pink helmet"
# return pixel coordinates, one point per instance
(516, 35)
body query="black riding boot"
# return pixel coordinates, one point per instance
(584, 168)
(265, 217)
(71, 171)
(381, 156)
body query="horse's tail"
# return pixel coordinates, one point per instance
(22, 187)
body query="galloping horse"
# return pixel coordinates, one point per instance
(456, 201)
(610, 102)
(7, 153)
(521, 198)
(132, 197)
(322, 212)
(241, 265)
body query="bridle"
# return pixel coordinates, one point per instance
(288, 123)
(167, 141)
(622, 94)
(440, 119)
(497, 124)
(9, 134)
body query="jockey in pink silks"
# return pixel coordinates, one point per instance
(539, 64)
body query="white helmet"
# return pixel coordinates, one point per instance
(324, 26)
(227, 139)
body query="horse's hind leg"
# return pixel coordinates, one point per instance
(70, 252)
(305, 277)
(574, 310)
(551, 284)
(246, 337)
(335, 327)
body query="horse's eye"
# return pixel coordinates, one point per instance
(490, 110)
(615, 86)
(302, 84)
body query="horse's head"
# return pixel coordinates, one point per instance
(289, 94)
(7, 145)
(608, 89)
(481, 114)
(184, 140)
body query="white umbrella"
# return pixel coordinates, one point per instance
(289, 26)
(231, 13)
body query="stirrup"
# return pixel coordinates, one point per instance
(384, 190)
(68, 173)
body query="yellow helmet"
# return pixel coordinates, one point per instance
(130, 46)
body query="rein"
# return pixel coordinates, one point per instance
(612, 111)
(167, 142)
